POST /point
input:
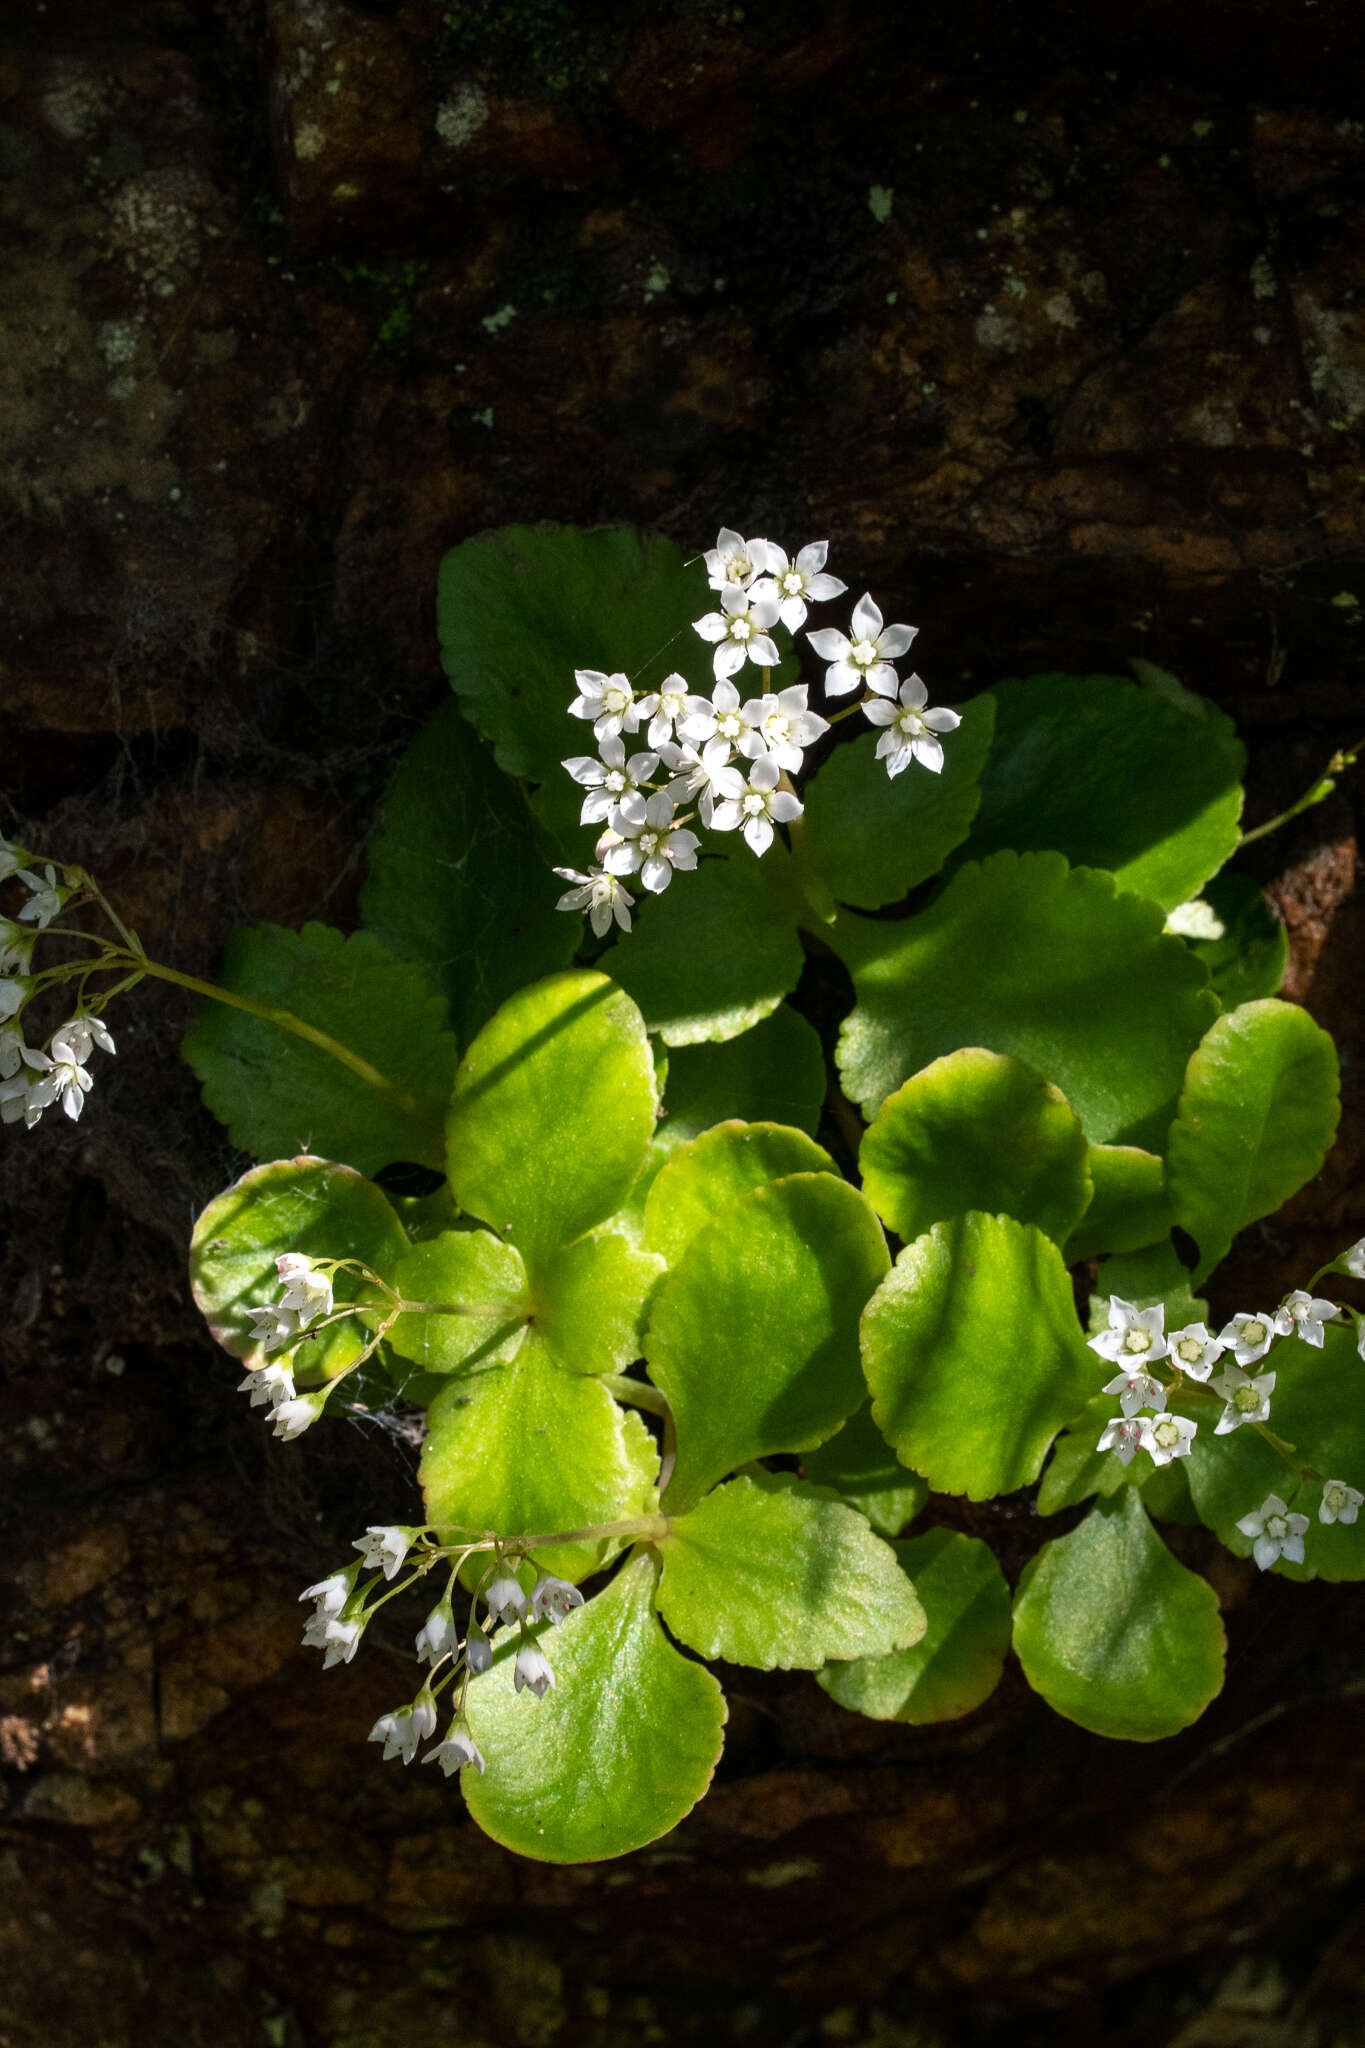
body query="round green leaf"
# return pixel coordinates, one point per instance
(1250, 958)
(754, 1334)
(976, 1130)
(702, 1178)
(1316, 1407)
(958, 1661)
(1115, 777)
(278, 1094)
(528, 1449)
(1129, 1208)
(1027, 956)
(774, 1073)
(1113, 1632)
(293, 1205)
(774, 1574)
(553, 1110)
(460, 877)
(1154, 1274)
(859, 1463)
(712, 956)
(590, 1301)
(871, 839)
(972, 1352)
(616, 1754)
(461, 1268)
(1257, 1117)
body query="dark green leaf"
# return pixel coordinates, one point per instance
(1250, 958)
(860, 1464)
(713, 955)
(958, 1661)
(774, 1073)
(1129, 1208)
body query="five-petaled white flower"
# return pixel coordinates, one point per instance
(779, 724)
(329, 1595)
(867, 657)
(797, 583)
(608, 701)
(609, 779)
(603, 896)
(740, 631)
(407, 1728)
(338, 1635)
(268, 1383)
(1353, 1258)
(1275, 1532)
(76, 1038)
(22, 1097)
(1304, 1315)
(911, 732)
(275, 1327)
(46, 896)
(720, 718)
(505, 1600)
(694, 773)
(1167, 1437)
(1136, 1390)
(645, 840)
(383, 1547)
(553, 1598)
(1194, 1351)
(307, 1291)
(667, 708)
(1340, 1502)
(733, 562)
(531, 1672)
(458, 1748)
(64, 1081)
(437, 1637)
(1248, 1337)
(754, 806)
(1135, 1337)
(1248, 1400)
(1122, 1436)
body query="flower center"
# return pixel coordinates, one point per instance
(649, 843)
(730, 725)
(911, 724)
(615, 699)
(740, 629)
(1167, 1435)
(1253, 1333)
(1334, 1496)
(754, 805)
(1276, 1527)
(738, 569)
(864, 653)
(793, 583)
(1137, 1340)
(1246, 1400)
(1189, 1351)
(778, 726)
(615, 780)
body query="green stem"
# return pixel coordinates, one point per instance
(637, 1525)
(635, 1393)
(1344, 758)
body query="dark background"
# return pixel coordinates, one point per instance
(296, 296)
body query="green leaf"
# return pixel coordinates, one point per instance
(292, 1205)
(871, 839)
(1077, 1469)
(590, 1302)
(1114, 1633)
(527, 1449)
(712, 956)
(754, 1334)
(621, 1749)
(1129, 1208)
(703, 1177)
(279, 1095)
(958, 1661)
(972, 1352)
(1316, 1407)
(521, 608)
(976, 1130)
(554, 1106)
(1250, 958)
(1114, 777)
(1154, 1274)
(460, 877)
(777, 1575)
(859, 1463)
(774, 1073)
(461, 1267)
(1026, 956)
(1257, 1117)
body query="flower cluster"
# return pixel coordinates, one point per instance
(732, 757)
(278, 1326)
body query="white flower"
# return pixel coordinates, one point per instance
(1360, 1326)
(1122, 1436)
(646, 840)
(1277, 1533)
(13, 996)
(1353, 1259)
(478, 1651)
(272, 1383)
(531, 1671)
(666, 708)
(505, 1600)
(553, 1598)
(383, 1547)
(780, 725)
(46, 896)
(12, 858)
(609, 779)
(1194, 1351)
(740, 631)
(797, 583)
(732, 563)
(457, 1749)
(1136, 1390)
(337, 1635)
(1304, 1314)
(754, 806)
(608, 701)
(12, 1051)
(1248, 1337)
(437, 1638)
(1340, 1502)
(291, 1418)
(75, 1039)
(16, 947)
(329, 1594)
(1167, 1437)
(602, 895)
(867, 657)
(307, 1291)
(275, 1327)
(1195, 920)
(1247, 1400)
(407, 1728)
(66, 1082)
(694, 773)
(910, 732)
(21, 1097)
(1135, 1337)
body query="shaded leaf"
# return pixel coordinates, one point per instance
(958, 1661)
(1129, 1207)
(860, 1464)
(712, 956)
